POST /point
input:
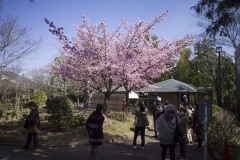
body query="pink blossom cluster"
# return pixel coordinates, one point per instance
(124, 56)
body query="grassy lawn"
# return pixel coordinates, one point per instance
(115, 128)
(119, 127)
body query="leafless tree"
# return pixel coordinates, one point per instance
(15, 42)
(40, 78)
(11, 85)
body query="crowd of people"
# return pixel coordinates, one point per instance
(165, 119)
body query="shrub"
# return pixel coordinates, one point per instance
(222, 128)
(72, 97)
(5, 106)
(61, 110)
(78, 121)
(2, 111)
(40, 98)
(216, 110)
(24, 102)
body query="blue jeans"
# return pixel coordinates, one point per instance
(182, 146)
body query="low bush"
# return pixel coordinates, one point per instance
(61, 111)
(78, 121)
(40, 98)
(222, 129)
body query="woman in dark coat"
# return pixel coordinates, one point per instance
(94, 127)
(33, 123)
(166, 125)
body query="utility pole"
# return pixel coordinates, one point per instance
(237, 61)
(219, 51)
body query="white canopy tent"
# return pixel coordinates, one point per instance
(133, 95)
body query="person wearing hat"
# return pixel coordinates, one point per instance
(166, 125)
(32, 123)
(94, 126)
(156, 112)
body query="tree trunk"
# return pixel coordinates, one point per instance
(2, 98)
(106, 100)
(16, 101)
(127, 97)
(86, 98)
(237, 61)
(78, 103)
(126, 86)
(64, 87)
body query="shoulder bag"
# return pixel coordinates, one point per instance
(178, 133)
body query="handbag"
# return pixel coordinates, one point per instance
(26, 124)
(178, 133)
(146, 121)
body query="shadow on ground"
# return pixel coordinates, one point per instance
(108, 151)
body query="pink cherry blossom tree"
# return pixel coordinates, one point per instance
(106, 60)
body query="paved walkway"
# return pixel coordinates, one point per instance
(118, 150)
(109, 151)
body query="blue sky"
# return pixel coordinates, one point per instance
(66, 13)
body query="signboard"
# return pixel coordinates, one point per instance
(202, 104)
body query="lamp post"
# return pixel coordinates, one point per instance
(219, 51)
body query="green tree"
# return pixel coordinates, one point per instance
(182, 70)
(164, 76)
(219, 13)
(204, 71)
(204, 64)
(40, 98)
(223, 23)
(61, 110)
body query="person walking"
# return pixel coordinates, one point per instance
(140, 124)
(157, 111)
(184, 126)
(94, 126)
(32, 123)
(166, 125)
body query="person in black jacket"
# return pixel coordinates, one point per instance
(94, 126)
(33, 123)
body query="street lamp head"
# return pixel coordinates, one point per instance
(218, 49)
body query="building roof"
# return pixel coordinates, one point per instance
(171, 85)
